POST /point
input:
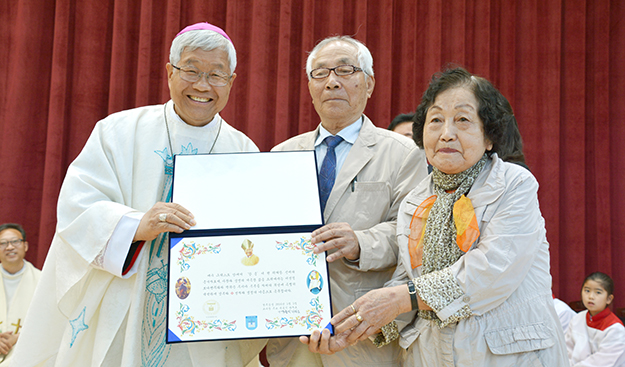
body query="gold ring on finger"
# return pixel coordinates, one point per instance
(358, 317)
(162, 217)
(353, 308)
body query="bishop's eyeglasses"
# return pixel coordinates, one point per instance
(215, 78)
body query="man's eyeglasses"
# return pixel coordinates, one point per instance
(215, 78)
(341, 70)
(14, 243)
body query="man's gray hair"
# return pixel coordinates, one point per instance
(203, 39)
(364, 55)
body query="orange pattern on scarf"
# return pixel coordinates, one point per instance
(467, 230)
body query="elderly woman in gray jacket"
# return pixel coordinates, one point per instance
(472, 285)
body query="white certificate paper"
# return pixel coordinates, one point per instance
(248, 189)
(247, 277)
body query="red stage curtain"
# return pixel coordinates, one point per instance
(69, 63)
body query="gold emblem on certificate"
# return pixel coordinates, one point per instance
(211, 307)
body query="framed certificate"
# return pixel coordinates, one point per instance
(247, 269)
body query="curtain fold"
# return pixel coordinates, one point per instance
(67, 64)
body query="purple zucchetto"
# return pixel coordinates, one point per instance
(204, 25)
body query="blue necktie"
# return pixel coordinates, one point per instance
(327, 174)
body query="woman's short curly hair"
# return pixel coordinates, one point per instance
(500, 126)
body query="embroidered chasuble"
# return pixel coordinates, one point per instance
(12, 315)
(86, 316)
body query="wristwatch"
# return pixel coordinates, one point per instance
(412, 290)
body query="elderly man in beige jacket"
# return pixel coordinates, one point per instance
(365, 172)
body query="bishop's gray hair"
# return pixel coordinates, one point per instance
(203, 39)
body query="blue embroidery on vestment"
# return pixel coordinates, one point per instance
(168, 159)
(188, 149)
(78, 325)
(155, 351)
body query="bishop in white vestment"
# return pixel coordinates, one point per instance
(102, 299)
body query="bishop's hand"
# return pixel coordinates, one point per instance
(163, 217)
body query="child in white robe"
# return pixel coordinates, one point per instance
(596, 336)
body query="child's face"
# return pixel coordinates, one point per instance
(595, 298)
